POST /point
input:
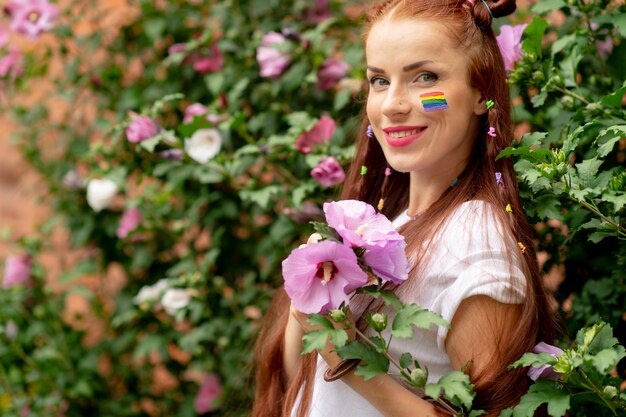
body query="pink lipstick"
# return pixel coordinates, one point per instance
(399, 136)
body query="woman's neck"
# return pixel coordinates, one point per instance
(425, 190)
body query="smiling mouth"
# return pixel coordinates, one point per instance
(404, 133)
(399, 136)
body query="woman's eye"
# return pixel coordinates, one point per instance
(378, 82)
(427, 77)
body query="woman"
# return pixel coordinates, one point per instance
(439, 110)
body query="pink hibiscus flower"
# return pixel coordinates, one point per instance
(389, 263)
(207, 399)
(130, 220)
(320, 133)
(509, 42)
(330, 72)
(544, 371)
(17, 271)
(319, 277)
(328, 172)
(31, 17)
(360, 225)
(272, 61)
(141, 128)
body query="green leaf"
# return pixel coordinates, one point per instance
(533, 36)
(301, 120)
(615, 99)
(562, 43)
(294, 76)
(538, 99)
(319, 320)
(372, 362)
(607, 359)
(619, 21)
(543, 392)
(301, 192)
(81, 269)
(150, 343)
(547, 6)
(546, 207)
(534, 359)
(537, 155)
(154, 28)
(150, 144)
(533, 139)
(569, 66)
(261, 197)
(207, 175)
(413, 315)
(588, 171)
(602, 338)
(598, 236)
(617, 132)
(316, 339)
(618, 200)
(406, 359)
(341, 99)
(215, 82)
(573, 138)
(388, 296)
(456, 388)
(507, 412)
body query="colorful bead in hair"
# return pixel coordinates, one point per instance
(509, 209)
(522, 247)
(499, 179)
(489, 104)
(381, 202)
(370, 132)
(492, 132)
(363, 170)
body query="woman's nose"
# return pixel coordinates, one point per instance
(396, 102)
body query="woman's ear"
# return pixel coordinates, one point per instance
(480, 105)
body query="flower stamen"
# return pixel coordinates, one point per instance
(325, 271)
(33, 17)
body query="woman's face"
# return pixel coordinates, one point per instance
(420, 104)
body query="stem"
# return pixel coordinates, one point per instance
(392, 360)
(403, 372)
(597, 391)
(594, 210)
(571, 93)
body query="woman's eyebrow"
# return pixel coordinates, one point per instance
(406, 68)
(375, 69)
(416, 65)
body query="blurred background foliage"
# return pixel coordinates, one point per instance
(184, 161)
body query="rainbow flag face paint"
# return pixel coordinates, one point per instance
(434, 101)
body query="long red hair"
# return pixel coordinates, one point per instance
(498, 387)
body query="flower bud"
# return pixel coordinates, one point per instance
(378, 321)
(567, 102)
(100, 193)
(610, 391)
(538, 76)
(419, 377)
(594, 108)
(338, 315)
